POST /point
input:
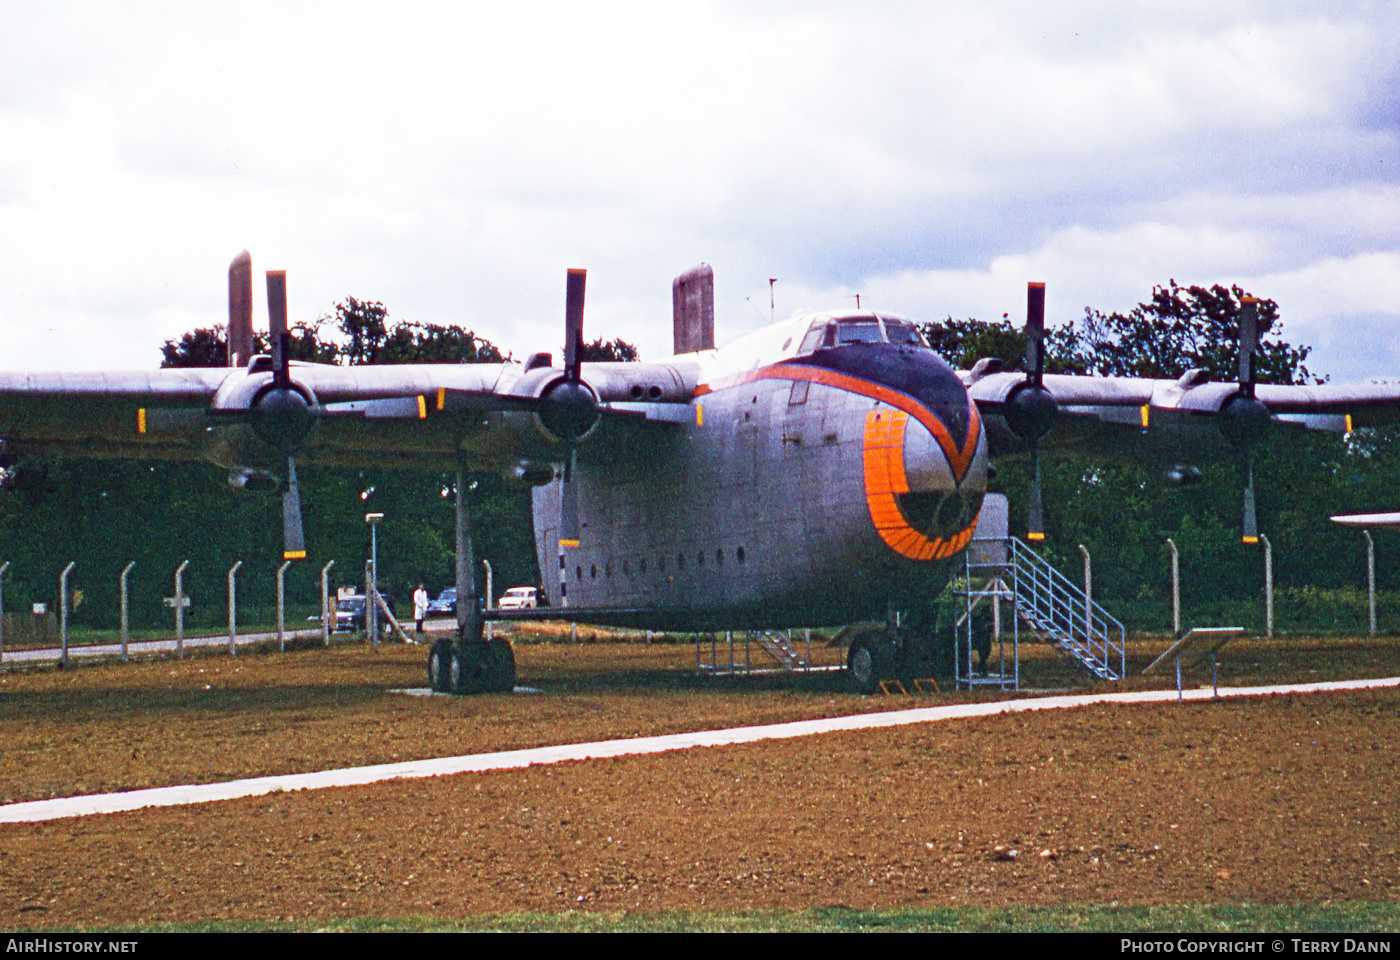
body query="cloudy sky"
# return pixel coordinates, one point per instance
(454, 160)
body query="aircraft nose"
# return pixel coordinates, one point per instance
(939, 504)
(923, 487)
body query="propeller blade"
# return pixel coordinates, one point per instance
(573, 323)
(277, 324)
(1035, 528)
(1251, 527)
(240, 310)
(568, 503)
(1032, 409)
(1035, 334)
(293, 540)
(1249, 343)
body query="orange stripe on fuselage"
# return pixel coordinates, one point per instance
(959, 455)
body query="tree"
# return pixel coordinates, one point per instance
(1182, 328)
(614, 351)
(963, 342)
(205, 347)
(356, 332)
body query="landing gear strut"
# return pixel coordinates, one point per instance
(469, 664)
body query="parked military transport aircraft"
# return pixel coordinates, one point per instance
(826, 469)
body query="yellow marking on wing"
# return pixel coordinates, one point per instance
(1348, 424)
(1144, 411)
(568, 543)
(699, 414)
(141, 420)
(422, 407)
(442, 397)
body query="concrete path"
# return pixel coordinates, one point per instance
(514, 759)
(148, 647)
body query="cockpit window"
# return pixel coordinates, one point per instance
(859, 330)
(816, 337)
(827, 333)
(902, 331)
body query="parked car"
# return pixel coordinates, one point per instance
(518, 598)
(350, 614)
(446, 603)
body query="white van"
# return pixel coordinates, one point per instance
(518, 598)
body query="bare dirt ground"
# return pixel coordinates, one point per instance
(1281, 799)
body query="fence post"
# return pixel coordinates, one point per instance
(180, 610)
(63, 611)
(326, 602)
(3, 568)
(281, 606)
(233, 610)
(1370, 579)
(491, 602)
(1088, 597)
(369, 602)
(126, 610)
(1176, 590)
(1268, 586)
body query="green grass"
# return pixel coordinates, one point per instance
(1348, 917)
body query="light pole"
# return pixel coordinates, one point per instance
(371, 602)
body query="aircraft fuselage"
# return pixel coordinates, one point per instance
(814, 489)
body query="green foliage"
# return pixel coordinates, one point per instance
(963, 342)
(1182, 328)
(356, 332)
(614, 351)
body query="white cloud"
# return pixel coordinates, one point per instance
(452, 160)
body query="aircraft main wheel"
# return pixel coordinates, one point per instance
(869, 662)
(439, 667)
(467, 670)
(500, 666)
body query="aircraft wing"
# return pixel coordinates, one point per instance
(1185, 417)
(1147, 404)
(1370, 521)
(426, 415)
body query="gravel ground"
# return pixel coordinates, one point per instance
(1279, 799)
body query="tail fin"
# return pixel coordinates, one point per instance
(693, 310)
(240, 310)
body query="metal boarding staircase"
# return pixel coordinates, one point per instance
(790, 653)
(999, 568)
(1057, 611)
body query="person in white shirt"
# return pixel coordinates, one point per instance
(420, 607)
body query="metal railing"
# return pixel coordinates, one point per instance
(1060, 612)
